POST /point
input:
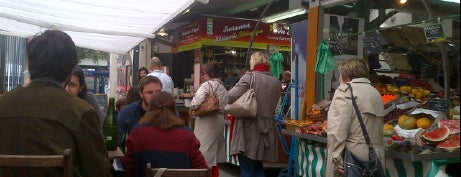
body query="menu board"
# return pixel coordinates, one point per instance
(434, 33)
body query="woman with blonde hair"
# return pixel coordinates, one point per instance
(344, 129)
(255, 139)
(161, 139)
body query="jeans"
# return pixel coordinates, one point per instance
(250, 168)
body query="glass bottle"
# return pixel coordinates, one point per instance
(110, 128)
(125, 135)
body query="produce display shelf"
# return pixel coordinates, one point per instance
(422, 157)
(305, 136)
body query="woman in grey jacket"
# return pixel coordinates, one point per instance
(255, 139)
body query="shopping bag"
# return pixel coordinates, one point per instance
(245, 105)
(209, 105)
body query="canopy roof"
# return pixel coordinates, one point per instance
(114, 26)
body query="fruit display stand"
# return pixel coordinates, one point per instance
(311, 150)
(311, 159)
(423, 152)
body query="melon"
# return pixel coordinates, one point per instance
(388, 132)
(450, 144)
(409, 123)
(453, 125)
(438, 134)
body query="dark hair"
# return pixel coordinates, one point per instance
(120, 103)
(212, 69)
(51, 54)
(148, 80)
(161, 112)
(78, 72)
(142, 69)
(133, 95)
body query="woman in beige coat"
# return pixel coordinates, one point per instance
(343, 126)
(254, 140)
(209, 129)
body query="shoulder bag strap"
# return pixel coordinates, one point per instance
(210, 87)
(359, 116)
(252, 79)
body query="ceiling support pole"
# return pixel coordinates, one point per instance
(441, 45)
(314, 21)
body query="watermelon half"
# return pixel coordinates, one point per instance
(438, 134)
(450, 144)
(453, 125)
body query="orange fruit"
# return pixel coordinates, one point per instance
(388, 126)
(423, 123)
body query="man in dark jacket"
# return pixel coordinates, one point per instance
(130, 114)
(43, 118)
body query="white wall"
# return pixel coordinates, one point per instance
(398, 19)
(145, 51)
(113, 76)
(90, 62)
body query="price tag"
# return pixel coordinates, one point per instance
(434, 33)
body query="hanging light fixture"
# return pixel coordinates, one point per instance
(162, 32)
(284, 15)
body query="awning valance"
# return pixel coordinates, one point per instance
(111, 26)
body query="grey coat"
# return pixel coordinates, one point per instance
(344, 128)
(209, 129)
(257, 137)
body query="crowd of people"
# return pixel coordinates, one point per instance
(56, 112)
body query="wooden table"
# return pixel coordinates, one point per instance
(116, 154)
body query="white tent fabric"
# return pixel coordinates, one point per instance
(114, 26)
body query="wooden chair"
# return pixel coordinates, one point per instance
(170, 172)
(33, 161)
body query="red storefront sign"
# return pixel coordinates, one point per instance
(222, 31)
(190, 33)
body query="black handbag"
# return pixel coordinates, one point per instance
(355, 167)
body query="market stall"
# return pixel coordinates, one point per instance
(419, 140)
(225, 41)
(312, 159)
